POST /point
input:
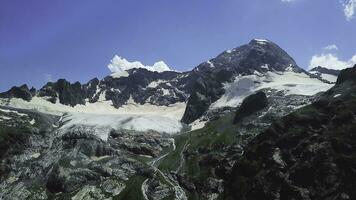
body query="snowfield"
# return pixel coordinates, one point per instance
(101, 117)
(327, 77)
(290, 82)
(174, 111)
(101, 125)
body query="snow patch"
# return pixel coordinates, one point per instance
(197, 124)
(35, 155)
(33, 121)
(102, 96)
(12, 111)
(4, 118)
(337, 95)
(165, 91)
(261, 41)
(154, 84)
(265, 66)
(211, 65)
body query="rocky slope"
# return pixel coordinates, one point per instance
(309, 154)
(204, 157)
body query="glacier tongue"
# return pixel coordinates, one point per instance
(101, 117)
(100, 125)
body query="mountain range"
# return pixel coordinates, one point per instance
(247, 124)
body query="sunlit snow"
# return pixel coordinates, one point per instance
(289, 82)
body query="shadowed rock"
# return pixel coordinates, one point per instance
(250, 105)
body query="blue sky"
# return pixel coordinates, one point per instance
(41, 40)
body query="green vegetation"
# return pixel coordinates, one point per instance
(195, 146)
(132, 189)
(172, 160)
(215, 135)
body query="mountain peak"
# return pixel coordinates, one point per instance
(259, 41)
(254, 56)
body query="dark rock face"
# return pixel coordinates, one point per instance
(308, 154)
(67, 93)
(208, 77)
(207, 88)
(146, 87)
(251, 104)
(347, 75)
(21, 92)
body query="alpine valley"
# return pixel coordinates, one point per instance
(247, 124)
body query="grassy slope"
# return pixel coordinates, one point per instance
(209, 140)
(132, 189)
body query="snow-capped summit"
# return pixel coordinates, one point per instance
(120, 65)
(234, 74)
(251, 57)
(260, 41)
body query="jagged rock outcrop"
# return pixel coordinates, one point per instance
(308, 154)
(67, 93)
(145, 86)
(22, 92)
(251, 104)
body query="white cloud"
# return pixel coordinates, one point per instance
(288, 0)
(331, 61)
(349, 9)
(331, 47)
(120, 65)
